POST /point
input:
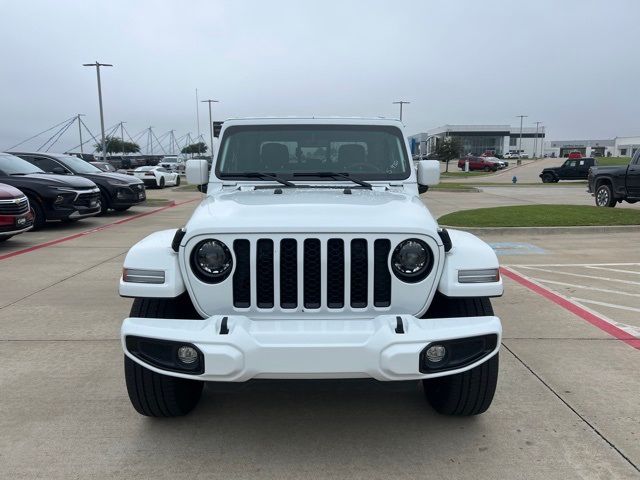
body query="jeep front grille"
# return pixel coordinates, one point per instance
(299, 281)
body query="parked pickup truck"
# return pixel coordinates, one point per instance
(612, 185)
(571, 169)
(311, 257)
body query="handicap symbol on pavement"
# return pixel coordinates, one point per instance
(515, 248)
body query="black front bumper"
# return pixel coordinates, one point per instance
(128, 196)
(85, 204)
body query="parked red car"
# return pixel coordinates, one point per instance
(478, 163)
(573, 155)
(15, 213)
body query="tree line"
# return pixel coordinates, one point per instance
(117, 145)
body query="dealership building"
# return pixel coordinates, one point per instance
(615, 147)
(477, 139)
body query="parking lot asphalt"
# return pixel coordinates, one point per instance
(566, 405)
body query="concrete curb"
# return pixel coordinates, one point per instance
(548, 230)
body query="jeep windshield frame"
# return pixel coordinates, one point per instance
(313, 152)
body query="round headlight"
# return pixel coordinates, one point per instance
(412, 260)
(211, 261)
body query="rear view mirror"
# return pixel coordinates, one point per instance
(428, 173)
(197, 172)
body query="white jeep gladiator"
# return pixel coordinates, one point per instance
(312, 256)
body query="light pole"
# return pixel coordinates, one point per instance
(98, 65)
(535, 142)
(210, 122)
(197, 112)
(80, 132)
(520, 146)
(400, 102)
(122, 136)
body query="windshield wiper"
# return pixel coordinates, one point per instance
(271, 176)
(344, 175)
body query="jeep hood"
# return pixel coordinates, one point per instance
(111, 178)
(317, 210)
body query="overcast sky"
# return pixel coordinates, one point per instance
(572, 64)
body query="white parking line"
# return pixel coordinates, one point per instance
(616, 292)
(607, 279)
(630, 329)
(577, 265)
(613, 269)
(619, 330)
(604, 304)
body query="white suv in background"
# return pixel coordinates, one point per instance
(170, 162)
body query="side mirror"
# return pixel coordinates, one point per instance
(428, 173)
(197, 172)
(58, 171)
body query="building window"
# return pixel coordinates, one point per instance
(623, 152)
(513, 141)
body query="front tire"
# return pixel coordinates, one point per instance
(547, 178)
(604, 196)
(178, 181)
(161, 183)
(470, 392)
(104, 204)
(39, 219)
(156, 395)
(153, 394)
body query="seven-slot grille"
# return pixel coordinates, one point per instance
(13, 207)
(85, 199)
(288, 273)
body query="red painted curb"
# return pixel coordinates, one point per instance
(572, 307)
(93, 230)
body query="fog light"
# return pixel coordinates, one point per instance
(187, 355)
(59, 199)
(436, 353)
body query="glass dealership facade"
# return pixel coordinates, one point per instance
(478, 139)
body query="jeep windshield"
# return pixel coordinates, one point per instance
(312, 152)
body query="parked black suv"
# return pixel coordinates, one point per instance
(117, 191)
(571, 169)
(52, 197)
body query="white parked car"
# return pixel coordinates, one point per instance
(157, 176)
(311, 256)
